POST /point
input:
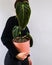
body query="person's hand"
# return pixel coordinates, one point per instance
(29, 60)
(21, 56)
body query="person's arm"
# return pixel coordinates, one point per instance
(30, 61)
(6, 38)
(31, 44)
(31, 39)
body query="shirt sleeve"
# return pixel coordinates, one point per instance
(6, 39)
(31, 39)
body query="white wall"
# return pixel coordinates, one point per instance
(41, 30)
(6, 10)
(40, 26)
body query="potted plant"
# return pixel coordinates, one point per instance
(22, 43)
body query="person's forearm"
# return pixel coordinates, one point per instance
(29, 60)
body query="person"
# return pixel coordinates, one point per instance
(13, 56)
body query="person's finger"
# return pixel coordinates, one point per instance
(26, 53)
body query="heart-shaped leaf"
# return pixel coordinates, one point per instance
(23, 12)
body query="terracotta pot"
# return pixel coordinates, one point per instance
(23, 46)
